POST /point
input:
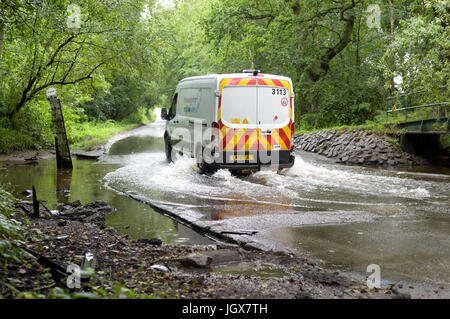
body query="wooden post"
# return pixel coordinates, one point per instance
(35, 204)
(63, 158)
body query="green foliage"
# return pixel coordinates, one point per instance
(294, 38)
(125, 99)
(127, 57)
(112, 58)
(29, 129)
(35, 134)
(10, 231)
(419, 50)
(445, 142)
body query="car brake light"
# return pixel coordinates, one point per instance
(215, 131)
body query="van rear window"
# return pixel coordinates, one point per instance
(239, 105)
(274, 107)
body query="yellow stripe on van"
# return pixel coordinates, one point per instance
(251, 140)
(231, 142)
(276, 140)
(244, 81)
(223, 83)
(263, 142)
(287, 85)
(269, 82)
(287, 131)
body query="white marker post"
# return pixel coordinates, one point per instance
(63, 158)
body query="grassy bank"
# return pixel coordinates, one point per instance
(82, 136)
(88, 134)
(380, 128)
(10, 232)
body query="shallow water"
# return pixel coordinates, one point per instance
(348, 216)
(85, 183)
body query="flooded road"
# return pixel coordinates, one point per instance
(349, 217)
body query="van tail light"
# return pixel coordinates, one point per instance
(215, 130)
(292, 135)
(215, 134)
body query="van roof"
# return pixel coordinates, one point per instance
(237, 75)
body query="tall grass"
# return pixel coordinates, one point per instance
(88, 134)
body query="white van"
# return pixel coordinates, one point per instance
(240, 121)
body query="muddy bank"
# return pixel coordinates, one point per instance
(356, 146)
(29, 156)
(150, 268)
(94, 152)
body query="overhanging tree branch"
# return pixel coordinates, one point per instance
(344, 40)
(28, 94)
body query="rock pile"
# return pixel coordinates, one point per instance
(354, 147)
(90, 213)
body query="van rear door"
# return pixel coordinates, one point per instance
(238, 115)
(254, 115)
(274, 116)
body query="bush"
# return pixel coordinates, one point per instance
(138, 117)
(10, 230)
(127, 99)
(31, 128)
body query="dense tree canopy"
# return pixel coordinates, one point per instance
(111, 59)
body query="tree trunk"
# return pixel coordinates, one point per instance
(2, 36)
(326, 58)
(391, 19)
(358, 59)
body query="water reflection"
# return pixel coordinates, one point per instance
(137, 144)
(63, 180)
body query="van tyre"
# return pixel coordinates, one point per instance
(168, 148)
(203, 167)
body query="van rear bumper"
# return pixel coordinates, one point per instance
(254, 160)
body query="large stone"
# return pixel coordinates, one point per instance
(196, 260)
(335, 152)
(150, 241)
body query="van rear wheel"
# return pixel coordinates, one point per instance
(168, 149)
(203, 167)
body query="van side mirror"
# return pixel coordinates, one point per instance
(164, 114)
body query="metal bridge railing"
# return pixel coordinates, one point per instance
(441, 114)
(406, 104)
